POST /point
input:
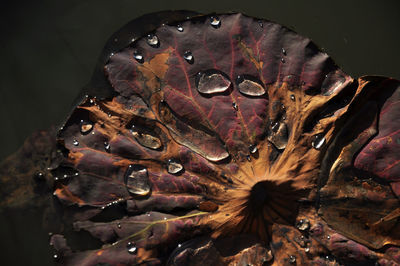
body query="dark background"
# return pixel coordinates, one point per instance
(49, 49)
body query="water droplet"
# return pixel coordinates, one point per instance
(119, 225)
(137, 180)
(235, 106)
(248, 158)
(188, 57)
(292, 259)
(179, 245)
(250, 86)
(107, 146)
(165, 218)
(328, 237)
(138, 57)
(212, 81)
(260, 23)
(283, 60)
(307, 249)
(146, 139)
(275, 126)
(292, 97)
(174, 167)
(318, 141)
(152, 40)
(303, 225)
(55, 256)
(179, 28)
(253, 148)
(85, 127)
(131, 248)
(283, 51)
(215, 22)
(278, 135)
(39, 177)
(75, 142)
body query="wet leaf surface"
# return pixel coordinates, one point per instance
(229, 140)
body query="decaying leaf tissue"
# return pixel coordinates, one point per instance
(228, 140)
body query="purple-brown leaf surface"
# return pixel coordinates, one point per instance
(231, 140)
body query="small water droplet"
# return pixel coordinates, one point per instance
(278, 135)
(307, 249)
(235, 106)
(137, 180)
(292, 97)
(148, 214)
(318, 141)
(146, 139)
(85, 127)
(75, 142)
(212, 81)
(179, 28)
(174, 167)
(303, 225)
(260, 23)
(107, 146)
(292, 259)
(188, 57)
(179, 245)
(215, 22)
(39, 177)
(283, 60)
(253, 148)
(138, 57)
(119, 225)
(248, 158)
(283, 51)
(152, 40)
(55, 256)
(275, 126)
(250, 86)
(165, 218)
(131, 248)
(328, 237)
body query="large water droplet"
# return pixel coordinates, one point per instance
(152, 40)
(250, 86)
(85, 127)
(188, 57)
(179, 28)
(318, 141)
(212, 81)
(215, 22)
(138, 57)
(137, 180)
(146, 139)
(131, 248)
(174, 167)
(75, 142)
(278, 135)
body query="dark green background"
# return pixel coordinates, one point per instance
(49, 49)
